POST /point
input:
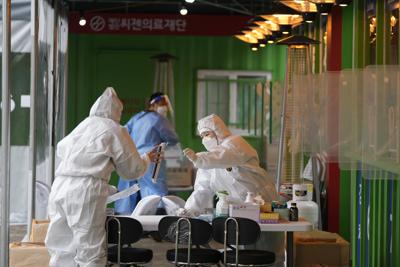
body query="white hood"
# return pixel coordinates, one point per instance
(107, 106)
(215, 124)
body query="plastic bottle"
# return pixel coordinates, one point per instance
(249, 198)
(293, 213)
(222, 207)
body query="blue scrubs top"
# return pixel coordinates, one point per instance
(147, 129)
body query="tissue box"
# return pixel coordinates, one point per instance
(250, 211)
(28, 254)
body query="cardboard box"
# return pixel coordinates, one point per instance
(321, 248)
(39, 231)
(29, 254)
(179, 177)
(250, 211)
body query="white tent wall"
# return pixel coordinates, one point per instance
(38, 108)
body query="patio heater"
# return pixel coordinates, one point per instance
(164, 77)
(289, 165)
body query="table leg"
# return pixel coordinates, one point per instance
(289, 249)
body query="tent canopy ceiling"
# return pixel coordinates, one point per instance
(210, 7)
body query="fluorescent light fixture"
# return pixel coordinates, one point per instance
(189, 1)
(254, 47)
(262, 45)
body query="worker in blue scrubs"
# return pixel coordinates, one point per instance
(148, 129)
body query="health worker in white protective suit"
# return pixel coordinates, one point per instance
(77, 203)
(230, 164)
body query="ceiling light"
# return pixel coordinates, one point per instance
(286, 29)
(343, 3)
(254, 34)
(269, 25)
(261, 30)
(247, 38)
(262, 45)
(189, 1)
(82, 20)
(309, 17)
(284, 19)
(183, 11)
(300, 6)
(254, 47)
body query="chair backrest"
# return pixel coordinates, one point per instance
(131, 230)
(200, 230)
(249, 231)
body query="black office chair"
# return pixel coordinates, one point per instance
(237, 232)
(122, 232)
(192, 232)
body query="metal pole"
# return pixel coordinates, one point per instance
(32, 116)
(5, 133)
(283, 120)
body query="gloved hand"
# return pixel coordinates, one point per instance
(190, 154)
(182, 212)
(112, 190)
(186, 213)
(155, 156)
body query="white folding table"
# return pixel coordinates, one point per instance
(150, 223)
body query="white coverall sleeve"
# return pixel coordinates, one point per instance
(202, 193)
(128, 163)
(220, 157)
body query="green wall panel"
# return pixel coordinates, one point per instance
(123, 62)
(97, 61)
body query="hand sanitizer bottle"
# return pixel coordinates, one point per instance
(249, 198)
(222, 207)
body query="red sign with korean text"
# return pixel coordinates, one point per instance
(155, 24)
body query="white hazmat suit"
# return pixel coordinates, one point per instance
(77, 203)
(232, 165)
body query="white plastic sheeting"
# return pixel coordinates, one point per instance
(352, 117)
(20, 26)
(50, 105)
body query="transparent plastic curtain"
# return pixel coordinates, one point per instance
(350, 118)
(368, 103)
(380, 122)
(43, 106)
(15, 87)
(19, 70)
(50, 105)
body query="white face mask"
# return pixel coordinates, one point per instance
(162, 110)
(209, 142)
